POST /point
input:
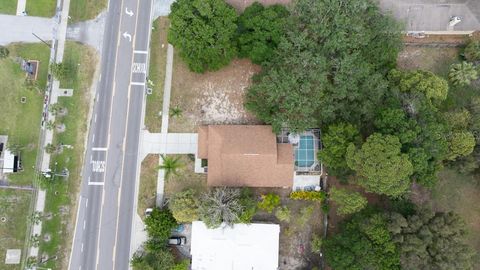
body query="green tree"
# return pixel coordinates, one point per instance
(462, 74)
(348, 202)
(335, 142)
(431, 241)
(457, 120)
(184, 206)
(472, 50)
(381, 165)
(203, 31)
(171, 165)
(395, 122)
(461, 143)
(424, 167)
(159, 226)
(4, 52)
(183, 265)
(412, 83)
(363, 242)
(221, 205)
(161, 259)
(260, 30)
(322, 68)
(269, 202)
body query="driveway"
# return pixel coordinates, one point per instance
(434, 15)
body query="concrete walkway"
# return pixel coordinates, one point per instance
(21, 6)
(161, 8)
(89, 32)
(167, 89)
(22, 28)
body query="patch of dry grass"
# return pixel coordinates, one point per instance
(148, 184)
(186, 178)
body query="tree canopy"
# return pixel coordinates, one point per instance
(431, 241)
(381, 165)
(159, 226)
(348, 202)
(221, 205)
(335, 141)
(363, 242)
(329, 65)
(462, 73)
(260, 30)
(203, 31)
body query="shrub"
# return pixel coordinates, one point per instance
(4, 52)
(305, 215)
(159, 225)
(472, 51)
(308, 195)
(269, 202)
(348, 202)
(283, 214)
(220, 205)
(316, 244)
(249, 205)
(184, 206)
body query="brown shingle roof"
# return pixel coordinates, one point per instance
(241, 155)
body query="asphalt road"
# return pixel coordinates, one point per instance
(102, 238)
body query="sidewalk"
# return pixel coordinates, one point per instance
(21, 6)
(21, 28)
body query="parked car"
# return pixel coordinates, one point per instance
(177, 240)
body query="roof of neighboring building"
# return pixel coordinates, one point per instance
(241, 247)
(243, 155)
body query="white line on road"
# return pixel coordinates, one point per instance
(140, 52)
(96, 183)
(138, 83)
(86, 203)
(93, 138)
(81, 249)
(84, 224)
(95, 118)
(99, 148)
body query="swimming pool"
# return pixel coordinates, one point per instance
(305, 152)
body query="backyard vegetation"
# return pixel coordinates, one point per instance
(388, 126)
(41, 8)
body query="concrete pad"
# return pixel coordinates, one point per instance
(13, 256)
(20, 29)
(433, 15)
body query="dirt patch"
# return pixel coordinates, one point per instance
(212, 97)
(296, 234)
(437, 60)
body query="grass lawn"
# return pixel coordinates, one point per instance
(21, 121)
(41, 8)
(460, 193)
(82, 10)
(8, 7)
(158, 60)
(62, 193)
(148, 184)
(186, 178)
(13, 230)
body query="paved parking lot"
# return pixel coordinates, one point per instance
(434, 15)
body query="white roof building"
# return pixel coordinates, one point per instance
(241, 247)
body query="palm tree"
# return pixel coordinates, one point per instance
(171, 165)
(462, 74)
(176, 112)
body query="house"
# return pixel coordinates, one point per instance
(254, 156)
(241, 247)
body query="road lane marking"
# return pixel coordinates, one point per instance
(139, 68)
(99, 148)
(81, 249)
(93, 138)
(140, 52)
(98, 166)
(128, 12)
(137, 83)
(86, 203)
(96, 183)
(95, 119)
(84, 224)
(127, 36)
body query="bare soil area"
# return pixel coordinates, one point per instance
(437, 60)
(212, 97)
